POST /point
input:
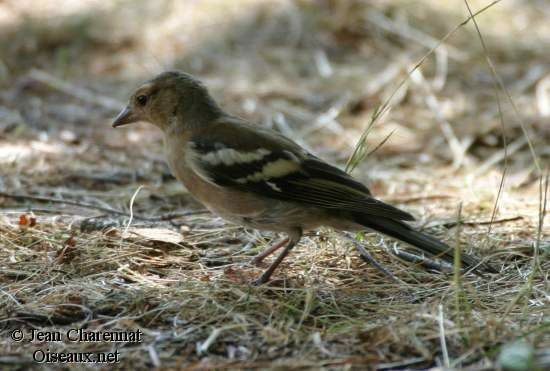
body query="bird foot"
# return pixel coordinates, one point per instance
(264, 278)
(259, 281)
(256, 282)
(257, 261)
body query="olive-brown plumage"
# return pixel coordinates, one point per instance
(256, 177)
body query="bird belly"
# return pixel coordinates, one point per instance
(250, 210)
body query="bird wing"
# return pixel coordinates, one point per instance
(273, 166)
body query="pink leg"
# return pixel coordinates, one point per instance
(257, 260)
(294, 237)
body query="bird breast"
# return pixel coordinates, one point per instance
(227, 203)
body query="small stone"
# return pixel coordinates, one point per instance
(185, 229)
(518, 356)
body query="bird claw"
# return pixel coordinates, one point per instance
(256, 261)
(260, 280)
(257, 282)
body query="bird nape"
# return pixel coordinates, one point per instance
(258, 178)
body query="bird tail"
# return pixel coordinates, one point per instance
(403, 232)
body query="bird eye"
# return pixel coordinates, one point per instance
(142, 100)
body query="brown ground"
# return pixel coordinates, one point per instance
(316, 70)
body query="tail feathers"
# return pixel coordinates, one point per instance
(405, 233)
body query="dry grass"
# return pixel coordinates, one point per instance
(317, 71)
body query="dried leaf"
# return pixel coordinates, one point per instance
(23, 220)
(155, 234)
(68, 252)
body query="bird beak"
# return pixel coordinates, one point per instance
(126, 116)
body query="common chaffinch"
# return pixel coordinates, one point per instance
(256, 177)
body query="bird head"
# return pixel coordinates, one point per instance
(170, 99)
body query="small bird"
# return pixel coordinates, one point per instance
(258, 178)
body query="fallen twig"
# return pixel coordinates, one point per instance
(75, 91)
(369, 259)
(406, 200)
(485, 222)
(410, 33)
(421, 260)
(458, 147)
(501, 155)
(164, 217)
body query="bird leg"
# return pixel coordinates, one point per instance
(270, 250)
(293, 239)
